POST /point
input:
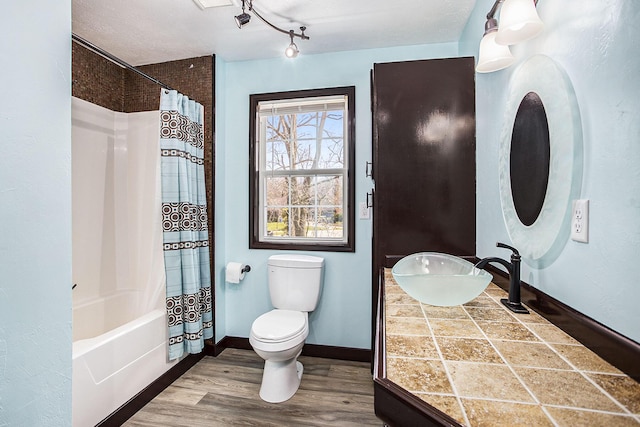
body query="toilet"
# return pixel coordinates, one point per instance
(278, 335)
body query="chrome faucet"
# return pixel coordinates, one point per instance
(513, 267)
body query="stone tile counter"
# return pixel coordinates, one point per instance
(485, 366)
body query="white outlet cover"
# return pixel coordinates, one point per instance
(580, 221)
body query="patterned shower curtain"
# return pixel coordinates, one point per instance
(184, 224)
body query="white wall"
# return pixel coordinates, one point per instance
(596, 42)
(35, 218)
(343, 317)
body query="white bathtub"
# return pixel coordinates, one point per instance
(111, 368)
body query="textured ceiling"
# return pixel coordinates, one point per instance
(151, 31)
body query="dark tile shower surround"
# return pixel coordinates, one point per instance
(101, 82)
(96, 80)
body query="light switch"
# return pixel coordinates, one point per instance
(364, 210)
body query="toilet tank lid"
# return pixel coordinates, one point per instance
(296, 261)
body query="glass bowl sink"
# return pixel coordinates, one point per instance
(440, 279)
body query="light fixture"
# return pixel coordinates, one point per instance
(519, 21)
(292, 50)
(243, 18)
(493, 56)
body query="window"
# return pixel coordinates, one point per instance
(301, 174)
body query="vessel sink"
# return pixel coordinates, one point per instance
(440, 279)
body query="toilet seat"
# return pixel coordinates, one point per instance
(278, 325)
(279, 329)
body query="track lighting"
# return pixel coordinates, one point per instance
(292, 50)
(519, 21)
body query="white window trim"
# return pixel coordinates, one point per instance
(294, 106)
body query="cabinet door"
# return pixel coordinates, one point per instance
(424, 160)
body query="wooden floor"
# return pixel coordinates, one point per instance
(223, 391)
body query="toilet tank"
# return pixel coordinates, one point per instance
(295, 281)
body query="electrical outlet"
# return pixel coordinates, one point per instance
(364, 211)
(580, 221)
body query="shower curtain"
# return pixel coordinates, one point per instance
(184, 224)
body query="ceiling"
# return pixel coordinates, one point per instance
(151, 31)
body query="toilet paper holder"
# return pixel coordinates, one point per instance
(245, 269)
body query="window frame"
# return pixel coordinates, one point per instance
(255, 208)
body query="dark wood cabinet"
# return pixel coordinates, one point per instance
(423, 160)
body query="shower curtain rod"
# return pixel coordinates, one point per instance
(117, 60)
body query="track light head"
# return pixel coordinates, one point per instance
(242, 19)
(292, 50)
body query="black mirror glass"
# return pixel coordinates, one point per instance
(529, 159)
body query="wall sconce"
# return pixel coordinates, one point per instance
(292, 50)
(519, 21)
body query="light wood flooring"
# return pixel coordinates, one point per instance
(223, 391)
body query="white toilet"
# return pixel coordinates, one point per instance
(278, 336)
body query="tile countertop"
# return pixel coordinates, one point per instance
(484, 365)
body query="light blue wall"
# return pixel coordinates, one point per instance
(596, 42)
(343, 317)
(220, 217)
(35, 218)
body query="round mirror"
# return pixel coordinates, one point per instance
(536, 189)
(530, 149)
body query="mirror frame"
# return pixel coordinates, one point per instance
(541, 242)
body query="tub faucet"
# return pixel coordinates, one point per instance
(513, 267)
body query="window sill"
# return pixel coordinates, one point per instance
(296, 246)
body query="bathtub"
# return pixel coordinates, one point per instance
(111, 368)
(119, 323)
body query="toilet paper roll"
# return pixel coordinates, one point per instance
(234, 272)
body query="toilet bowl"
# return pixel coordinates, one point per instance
(278, 336)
